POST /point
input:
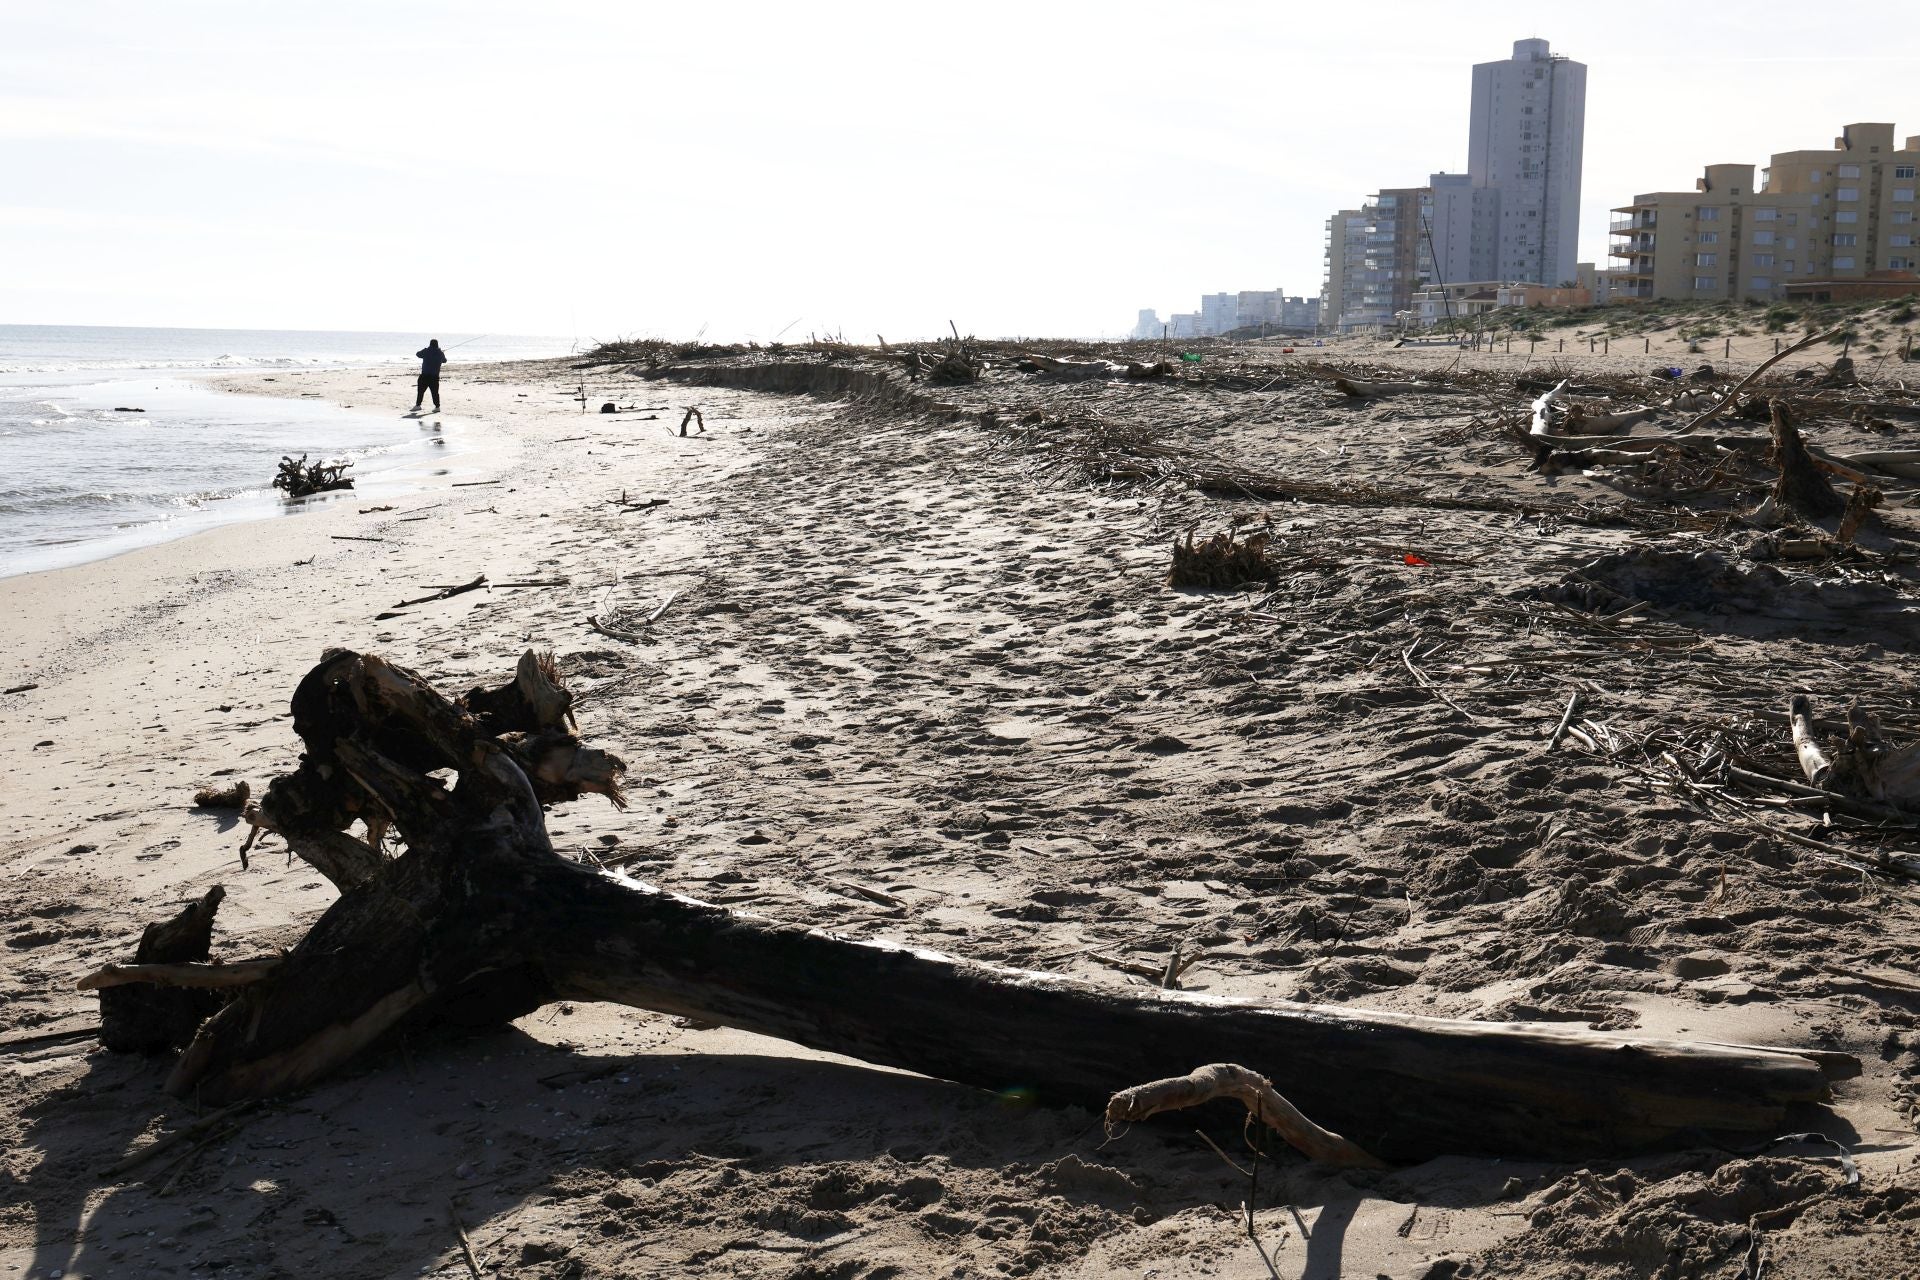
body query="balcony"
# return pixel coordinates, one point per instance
(1643, 221)
(1632, 248)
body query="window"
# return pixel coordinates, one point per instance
(1843, 264)
(1900, 242)
(1903, 215)
(1847, 193)
(1787, 243)
(1845, 215)
(1846, 240)
(1705, 282)
(1765, 214)
(1903, 171)
(1706, 259)
(1903, 195)
(1760, 282)
(1899, 264)
(1709, 215)
(1762, 259)
(1847, 171)
(1763, 237)
(1788, 266)
(1709, 237)
(1793, 219)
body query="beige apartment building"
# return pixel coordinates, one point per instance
(1817, 224)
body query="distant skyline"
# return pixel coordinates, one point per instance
(603, 169)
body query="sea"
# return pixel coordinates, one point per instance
(108, 442)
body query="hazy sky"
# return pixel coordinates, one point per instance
(642, 168)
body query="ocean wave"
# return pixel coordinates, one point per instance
(214, 362)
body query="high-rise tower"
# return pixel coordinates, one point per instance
(1529, 118)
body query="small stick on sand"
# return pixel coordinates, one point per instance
(466, 1245)
(1255, 1092)
(169, 1140)
(1566, 721)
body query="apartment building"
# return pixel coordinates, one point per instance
(1525, 150)
(1817, 223)
(1513, 216)
(1377, 255)
(1346, 248)
(1461, 230)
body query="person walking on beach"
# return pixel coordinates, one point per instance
(431, 358)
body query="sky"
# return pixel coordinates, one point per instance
(757, 170)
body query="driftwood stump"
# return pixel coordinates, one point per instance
(1801, 486)
(479, 921)
(143, 1018)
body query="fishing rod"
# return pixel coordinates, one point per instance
(456, 346)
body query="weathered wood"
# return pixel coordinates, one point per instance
(238, 973)
(479, 921)
(1250, 1089)
(1733, 397)
(149, 1018)
(1801, 487)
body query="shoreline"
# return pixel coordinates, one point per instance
(398, 469)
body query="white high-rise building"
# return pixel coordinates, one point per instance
(1529, 119)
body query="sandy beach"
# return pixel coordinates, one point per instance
(914, 679)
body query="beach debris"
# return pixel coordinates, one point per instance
(232, 797)
(121, 408)
(1222, 560)
(694, 416)
(444, 593)
(1253, 1091)
(19, 688)
(1714, 589)
(146, 1017)
(1863, 766)
(1543, 409)
(1072, 370)
(301, 478)
(1801, 488)
(1732, 397)
(479, 921)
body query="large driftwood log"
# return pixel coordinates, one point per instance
(480, 921)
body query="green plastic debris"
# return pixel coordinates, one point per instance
(1191, 357)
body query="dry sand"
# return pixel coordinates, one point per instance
(903, 654)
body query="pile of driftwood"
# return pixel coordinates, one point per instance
(480, 921)
(301, 478)
(1221, 561)
(1104, 451)
(1592, 425)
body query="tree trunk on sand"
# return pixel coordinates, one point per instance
(1801, 487)
(479, 921)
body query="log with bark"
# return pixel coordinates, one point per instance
(479, 921)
